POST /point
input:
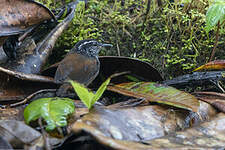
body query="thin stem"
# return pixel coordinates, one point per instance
(45, 135)
(146, 15)
(216, 43)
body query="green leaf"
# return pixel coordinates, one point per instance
(153, 92)
(100, 91)
(53, 110)
(88, 97)
(83, 93)
(215, 14)
(185, 1)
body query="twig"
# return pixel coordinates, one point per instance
(118, 48)
(44, 135)
(216, 43)
(30, 96)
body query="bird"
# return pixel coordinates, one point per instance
(81, 64)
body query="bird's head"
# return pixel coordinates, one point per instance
(90, 47)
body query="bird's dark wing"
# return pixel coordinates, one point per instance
(77, 67)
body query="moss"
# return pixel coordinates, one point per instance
(171, 37)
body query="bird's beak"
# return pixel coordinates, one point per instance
(106, 45)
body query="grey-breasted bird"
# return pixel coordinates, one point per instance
(81, 63)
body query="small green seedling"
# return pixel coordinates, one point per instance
(215, 16)
(53, 110)
(88, 97)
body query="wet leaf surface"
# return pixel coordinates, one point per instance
(213, 65)
(139, 70)
(210, 135)
(19, 134)
(133, 124)
(153, 92)
(196, 79)
(17, 16)
(139, 123)
(4, 144)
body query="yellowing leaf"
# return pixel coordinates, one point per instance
(159, 93)
(213, 65)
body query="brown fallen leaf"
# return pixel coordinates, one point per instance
(215, 99)
(18, 15)
(208, 135)
(140, 123)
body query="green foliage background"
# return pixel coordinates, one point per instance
(170, 36)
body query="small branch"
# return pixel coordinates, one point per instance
(216, 43)
(30, 96)
(118, 48)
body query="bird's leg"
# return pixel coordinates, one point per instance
(64, 90)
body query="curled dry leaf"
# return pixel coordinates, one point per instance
(32, 56)
(215, 99)
(213, 65)
(19, 79)
(139, 70)
(18, 15)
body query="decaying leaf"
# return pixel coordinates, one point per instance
(4, 144)
(17, 16)
(31, 58)
(31, 55)
(110, 125)
(196, 79)
(215, 99)
(210, 135)
(213, 65)
(16, 86)
(18, 134)
(153, 92)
